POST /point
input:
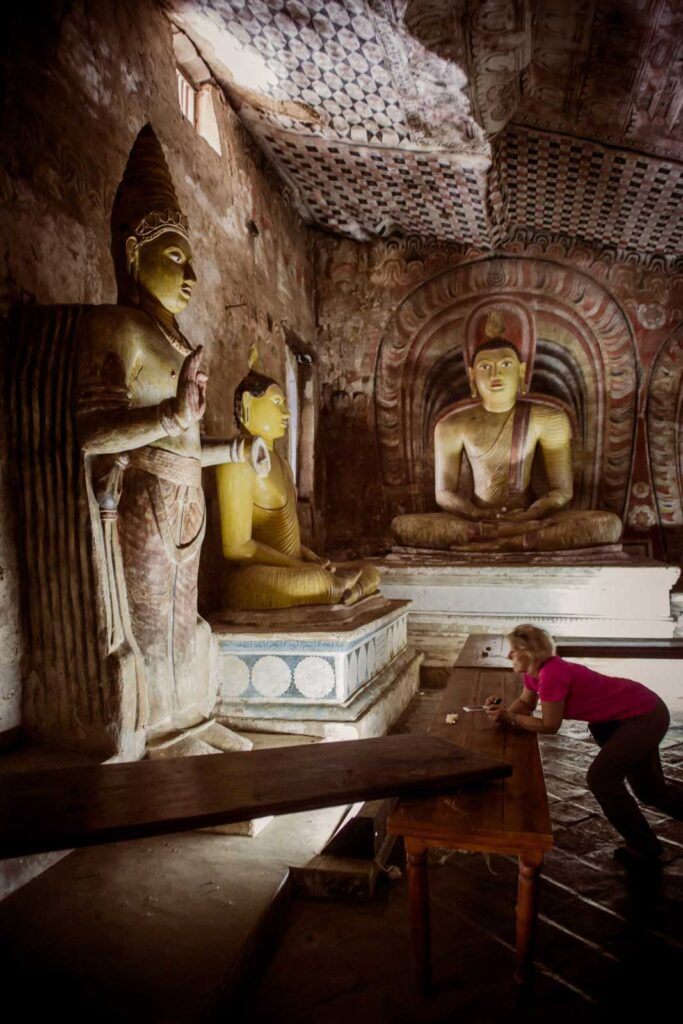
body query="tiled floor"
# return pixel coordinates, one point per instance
(609, 947)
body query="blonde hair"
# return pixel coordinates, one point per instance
(537, 642)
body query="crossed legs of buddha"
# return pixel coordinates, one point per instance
(262, 587)
(558, 532)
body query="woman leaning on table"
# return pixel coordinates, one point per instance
(626, 719)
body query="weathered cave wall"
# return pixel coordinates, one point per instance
(364, 291)
(79, 80)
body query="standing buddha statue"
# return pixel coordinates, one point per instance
(141, 395)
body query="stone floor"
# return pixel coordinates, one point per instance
(157, 931)
(608, 946)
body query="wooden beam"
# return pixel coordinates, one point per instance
(84, 806)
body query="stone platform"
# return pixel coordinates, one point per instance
(592, 592)
(336, 673)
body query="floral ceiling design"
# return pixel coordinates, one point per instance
(462, 120)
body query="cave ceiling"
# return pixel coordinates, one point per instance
(468, 121)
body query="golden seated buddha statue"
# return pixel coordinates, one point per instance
(500, 436)
(269, 566)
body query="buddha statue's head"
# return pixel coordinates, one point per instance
(162, 269)
(497, 374)
(260, 404)
(150, 240)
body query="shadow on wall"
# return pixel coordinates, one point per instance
(355, 511)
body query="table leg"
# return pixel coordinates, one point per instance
(530, 864)
(418, 890)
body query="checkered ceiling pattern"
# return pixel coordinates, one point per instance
(387, 142)
(380, 192)
(574, 187)
(328, 55)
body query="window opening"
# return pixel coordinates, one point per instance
(187, 97)
(207, 122)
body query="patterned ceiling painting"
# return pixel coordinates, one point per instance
(462, 120)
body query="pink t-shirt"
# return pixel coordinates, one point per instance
(590, 696)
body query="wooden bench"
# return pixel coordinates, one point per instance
(83, 806)
(490, 651)
(508, 817)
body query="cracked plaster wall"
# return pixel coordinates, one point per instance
(79, 81)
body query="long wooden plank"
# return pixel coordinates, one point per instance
(508, 813)
(578, 647)
(484, 650)
(82, 806)
(526, 800)
(473, 732)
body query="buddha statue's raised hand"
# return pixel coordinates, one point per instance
(190, 399)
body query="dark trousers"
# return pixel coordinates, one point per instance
(629, 752)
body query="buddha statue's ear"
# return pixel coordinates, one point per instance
(246, 407)
(522, 378)
(132, 249)
(473, 386)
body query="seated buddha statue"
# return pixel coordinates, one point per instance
(269, 567)
(500, 436)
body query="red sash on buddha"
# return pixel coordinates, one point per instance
(520, 426)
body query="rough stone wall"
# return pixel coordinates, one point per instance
(362, 289)
(79, 80)
(10, 631)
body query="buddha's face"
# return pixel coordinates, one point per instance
(164, 270)
(266, 415)
(497, 374)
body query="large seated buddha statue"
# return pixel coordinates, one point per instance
(269, 567)
(500, 434)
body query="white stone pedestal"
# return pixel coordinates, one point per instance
(624, 597)
(336, 673)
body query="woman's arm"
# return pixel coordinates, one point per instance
(552, 715)
(525, 703)
(519, 715)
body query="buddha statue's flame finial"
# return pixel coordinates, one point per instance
(253, 358)
(495, 325)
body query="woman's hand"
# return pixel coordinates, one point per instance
(496, 711)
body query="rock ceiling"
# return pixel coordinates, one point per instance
(462, 120)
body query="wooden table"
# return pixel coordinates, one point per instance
(509, 816)
(482, 650)
(83, 806)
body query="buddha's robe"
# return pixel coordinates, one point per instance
(160, 519)
(500, 450)
(257, 586)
